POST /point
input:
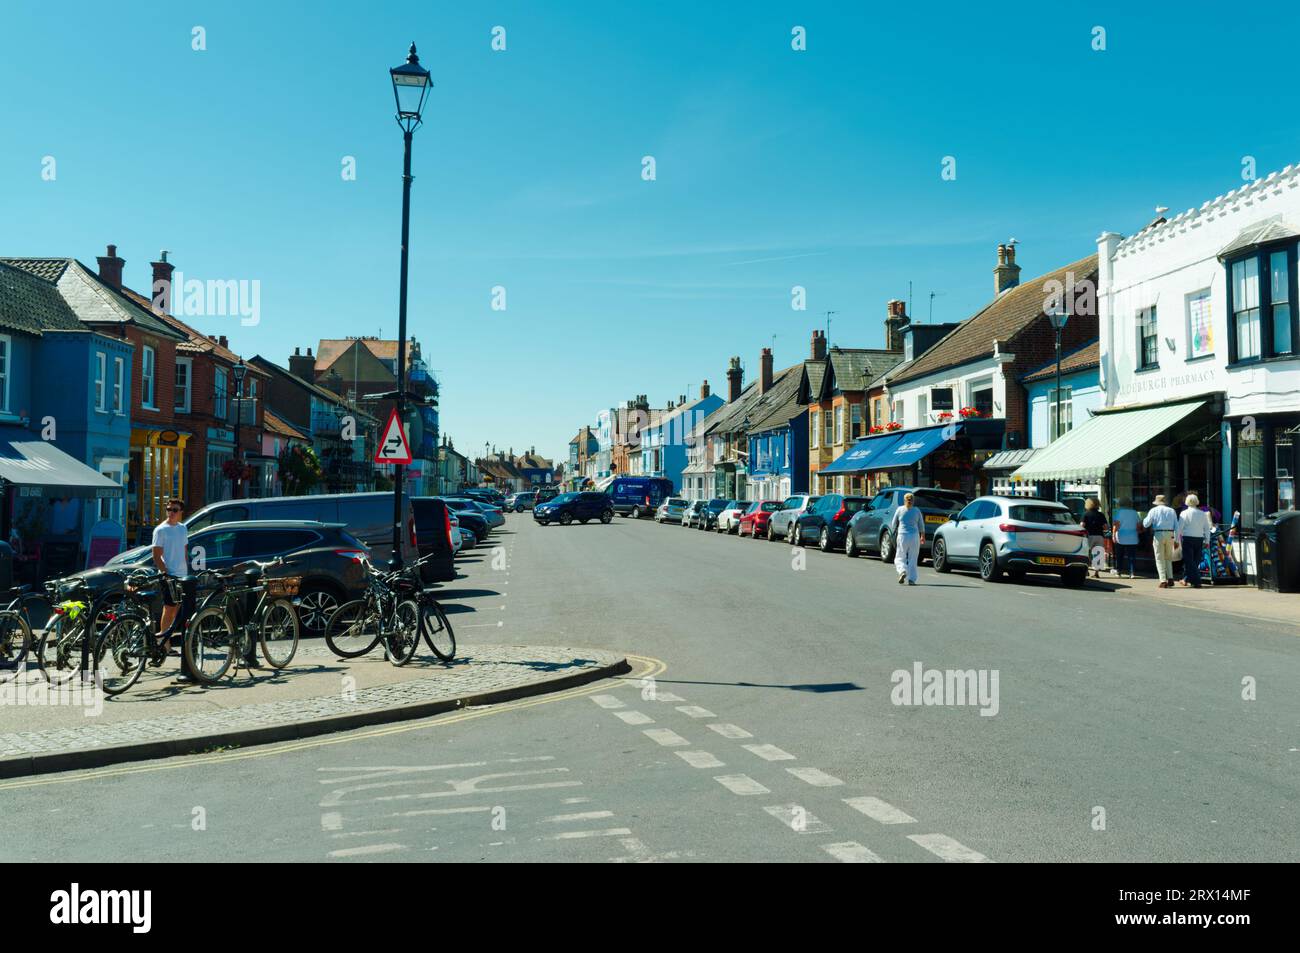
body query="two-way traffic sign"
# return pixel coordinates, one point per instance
(393, 447)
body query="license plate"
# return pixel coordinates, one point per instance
(931, 518)
(1051, 561)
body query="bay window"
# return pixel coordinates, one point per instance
(1262, 309)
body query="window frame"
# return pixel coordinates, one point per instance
(815, 430)
(6, 361)
(188, 364)
(119, 385)
(1262, 255)
(1065, 398)
(149, 377)
(1147, 318)
(1208, 295)
(101, 382)
(839, 425)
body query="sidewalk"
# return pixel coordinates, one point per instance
(1245, 601)
(316, 694)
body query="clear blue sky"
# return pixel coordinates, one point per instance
(775, 168)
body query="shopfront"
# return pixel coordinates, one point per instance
(156, 473)
(1263, 463)
(950, 456)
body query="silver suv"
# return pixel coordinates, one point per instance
(781, 525)
(1013, 534)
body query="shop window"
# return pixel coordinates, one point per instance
(1250, 476)
(1148, 339)
(1245, 307)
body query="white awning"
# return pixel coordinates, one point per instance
(1085, 452)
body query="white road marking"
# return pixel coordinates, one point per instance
(584, 816)
(952, 852)
(851, 852)
(668, 697)
(734, 732)
(699, 759)
(368, 849)
(576, 800)
(485, 809)
(665, 737)
(797, 818)
(769, 752)
(390, 830)
(331, 821)
(815, 776)
(575, 835)
(695, 711)
(607, 701)
(741, 784)
(634, 717)
(878, 810)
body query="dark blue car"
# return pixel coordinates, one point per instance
(567, 507)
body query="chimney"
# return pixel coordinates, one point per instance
(735, 377)
(818, 346)
(704, 390)
(765, 371)
(221, 339)
(110, 268)
(1007, 273)
(895, 321)
(162, 284)
(303, 365)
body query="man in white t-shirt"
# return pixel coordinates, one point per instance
(170, 540)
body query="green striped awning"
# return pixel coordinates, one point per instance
(1085, 452)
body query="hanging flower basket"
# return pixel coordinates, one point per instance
(233, 470)
(970, 413)
(893, 425)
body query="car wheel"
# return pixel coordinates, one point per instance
(886, 547)
(989, 570)
(850, 545)
(796, 535)
(542, 522)
(315, 606)
(636, 513)
(565, 519)
(771, 536)
(824, 540)
(939, 556)
(606, 517)
(1074, 578)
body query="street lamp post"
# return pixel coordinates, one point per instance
(238, 372)
(411, 85)
(1058, 316)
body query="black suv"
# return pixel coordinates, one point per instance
(871, 530)
(827, 523)
(567, 507)
(433, 537)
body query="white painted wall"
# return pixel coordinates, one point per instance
(960, 380)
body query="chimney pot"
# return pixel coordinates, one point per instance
(895, 320)
(1006, 274)
(765, 370)
(161, 295)
(735, 378)
(818, 352)
(704, 389)
(110, 268)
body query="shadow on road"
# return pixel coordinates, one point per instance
(817, 688)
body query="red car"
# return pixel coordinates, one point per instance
(753, 522)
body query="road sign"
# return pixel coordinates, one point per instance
(393, 447)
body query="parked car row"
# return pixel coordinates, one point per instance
(994, 535)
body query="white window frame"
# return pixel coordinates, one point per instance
(1065, 397)
(6, 358)
(816, 421)
(188, 364)
(855, 421)
(839, 424)
(922, 409)
(149, 378)
(119, 384)
(101, 382)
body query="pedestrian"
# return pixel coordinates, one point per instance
(170, 541)
(909, 533)
(1194, 531)
(1094, 524)
(1124, 532)
(1163, 523)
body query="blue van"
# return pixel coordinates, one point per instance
(639, 496)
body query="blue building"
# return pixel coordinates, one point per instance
(777, 435)
(664, 442)
(537, 471)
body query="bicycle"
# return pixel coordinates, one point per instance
(222, 630)
(16, 625)
(77, 617)
(389, 612)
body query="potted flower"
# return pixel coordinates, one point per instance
(968, 413)
(893, 425)
(945, 416)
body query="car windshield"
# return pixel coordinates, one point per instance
(772, 506)
(675, 502)
(931, 500)
(1040, 513)
(565, 498)
(717, 506)
(853, 505)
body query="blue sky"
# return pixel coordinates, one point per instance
(774, 168)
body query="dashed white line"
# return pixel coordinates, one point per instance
(575, 835)
(879, 810)
(665, 737)
(695, 711)
(851, 852)
(699, 759)
(634, 717)
(769, 752)
(951, 851)
(741, 784)
(368, 849)
(734, 732)
(797, 818)
(583, 816)
(668, 697)
(607, 701)
(815, 776)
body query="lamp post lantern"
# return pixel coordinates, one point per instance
(238, 372)
(411, 84)
(1058, 315)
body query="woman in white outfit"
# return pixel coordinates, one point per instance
(909, 533)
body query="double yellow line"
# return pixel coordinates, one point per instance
(643, 666)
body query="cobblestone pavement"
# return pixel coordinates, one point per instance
(323, 687)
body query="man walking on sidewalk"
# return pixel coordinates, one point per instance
(1163, 523)
(1194, 531)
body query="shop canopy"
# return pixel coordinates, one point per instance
(39, 468)
(1085, 452)
(858, 457)
(913, 445)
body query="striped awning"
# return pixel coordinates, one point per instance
(1085, 452)
(1009, 459)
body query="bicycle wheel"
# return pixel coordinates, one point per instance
(121, 653)
(58, 650)
(15, 639)
(279, 633)
(352, 630)
(436, 628)
(404, 639)
(210, 644)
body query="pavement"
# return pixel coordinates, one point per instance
(763, 719)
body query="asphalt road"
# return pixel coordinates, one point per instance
(1118, 729)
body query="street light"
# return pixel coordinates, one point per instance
(411, 85)
(238, 372)
(1058, 315)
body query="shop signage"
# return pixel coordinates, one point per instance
(1166, 382)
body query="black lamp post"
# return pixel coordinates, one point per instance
(411, 85)
(1058, 316)
(238, 372)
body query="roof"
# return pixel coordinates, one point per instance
(273, 423)
(90, 299)
(780, 404)
(324, 393)
(1009, 459)
(532, 461)
(30, 305)
(856, 368)
(330, 350)
(1003, 319)
(815, 371)
(1272, 229)
(196, 342)
(1081, 359)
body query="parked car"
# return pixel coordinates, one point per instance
(754, 522)
(471, 518)
(545, 493)
(692, 513)
(671, 510)
(781, 525)
(1014, 534)
(491, 514)
(367, 516)
(870, 529)
(567, 507)
(709, 515)
(826, 524)
(485, 495)
(434, 522)
(329, 559)
(729, 518)
(520, 502)
(639, 496)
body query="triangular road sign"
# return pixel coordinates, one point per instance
(393, 447)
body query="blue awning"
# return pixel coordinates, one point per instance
(860, 457)
(913, 445)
